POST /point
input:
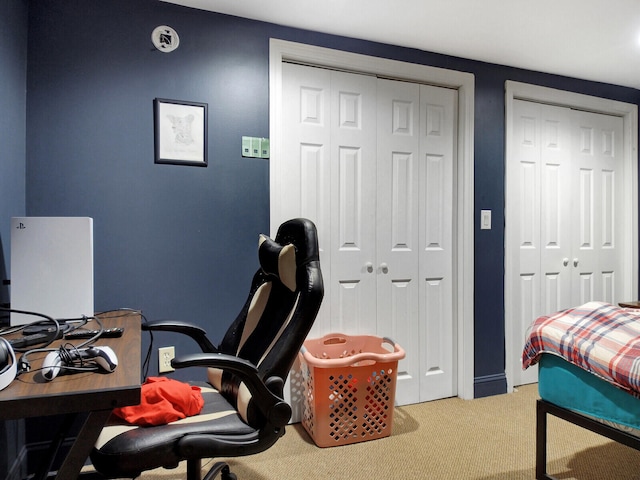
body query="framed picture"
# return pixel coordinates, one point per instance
(180, 132)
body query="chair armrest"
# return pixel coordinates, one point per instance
(274, 408)
(195, 332)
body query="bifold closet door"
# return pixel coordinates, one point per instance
(596, 255)
(330, 158)
(414, 233)
(370, 161)
(564, 239)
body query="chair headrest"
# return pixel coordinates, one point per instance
(278, 260)
(301, 233)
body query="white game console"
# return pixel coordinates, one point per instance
(51, 267)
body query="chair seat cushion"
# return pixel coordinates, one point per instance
(126, 450)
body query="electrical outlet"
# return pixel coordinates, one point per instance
(165, 355)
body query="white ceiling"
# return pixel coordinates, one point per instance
(590, 39)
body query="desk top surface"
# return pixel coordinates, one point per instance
(29, 395)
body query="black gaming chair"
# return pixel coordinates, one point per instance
(244, 412)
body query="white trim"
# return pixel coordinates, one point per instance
(629, 114)
(280, 50)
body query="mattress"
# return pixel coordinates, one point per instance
(598, 337)
(571, 387)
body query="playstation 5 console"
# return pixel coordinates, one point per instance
(51, 267)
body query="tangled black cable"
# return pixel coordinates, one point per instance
(67, 360)
(24, 365)
(47, 319)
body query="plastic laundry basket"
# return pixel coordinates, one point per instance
(349, 387)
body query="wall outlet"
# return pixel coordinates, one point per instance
(165, 355)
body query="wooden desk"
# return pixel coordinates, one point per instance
(98, 394)
(633, 304)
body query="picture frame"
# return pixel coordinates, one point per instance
(180, 132)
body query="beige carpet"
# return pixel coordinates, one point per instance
(489, 438)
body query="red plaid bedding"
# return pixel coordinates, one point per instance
(598, 337)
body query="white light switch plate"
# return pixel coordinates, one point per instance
(485, 219)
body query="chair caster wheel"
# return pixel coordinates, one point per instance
(221, 469)
(226, 474)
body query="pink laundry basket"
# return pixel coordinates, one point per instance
(349, 387)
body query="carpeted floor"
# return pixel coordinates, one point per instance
(489, 438)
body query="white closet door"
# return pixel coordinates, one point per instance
(438, 108)
(306, 162)
(414, 242)
(539, 220)
(370, 161)
(523, 222)
(556, 218)
(597, 236)
(565, 190)
(398, 228)
(330, 169)
(352, 285)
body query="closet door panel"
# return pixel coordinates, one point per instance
(438, 108)
(306, 160)
(353, 203)
(598, 160)
(397, 228)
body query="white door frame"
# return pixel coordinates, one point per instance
(464, 83)
(629, 217)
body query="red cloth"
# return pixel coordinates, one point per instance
(163, 400)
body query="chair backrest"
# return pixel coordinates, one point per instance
(283, 302)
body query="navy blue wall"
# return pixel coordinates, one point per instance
(172, 240)
(13, 99)
(180, 241)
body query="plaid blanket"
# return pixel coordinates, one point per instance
(598, 337)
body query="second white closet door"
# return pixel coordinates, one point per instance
(565, 242)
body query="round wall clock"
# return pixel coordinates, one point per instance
(165, 38)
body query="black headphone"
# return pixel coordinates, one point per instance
(8, 364)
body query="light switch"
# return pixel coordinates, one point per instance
(256, 147)
(485, 219)
(265, 148)
(246, 147)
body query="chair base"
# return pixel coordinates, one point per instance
(194, 468)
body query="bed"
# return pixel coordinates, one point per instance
(589, 373)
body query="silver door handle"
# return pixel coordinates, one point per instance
(575, 262)
(384, 267)
(565, 261)
(369, 267)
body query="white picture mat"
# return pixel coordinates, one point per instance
(181, 132)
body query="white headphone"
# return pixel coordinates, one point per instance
(8, 364)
